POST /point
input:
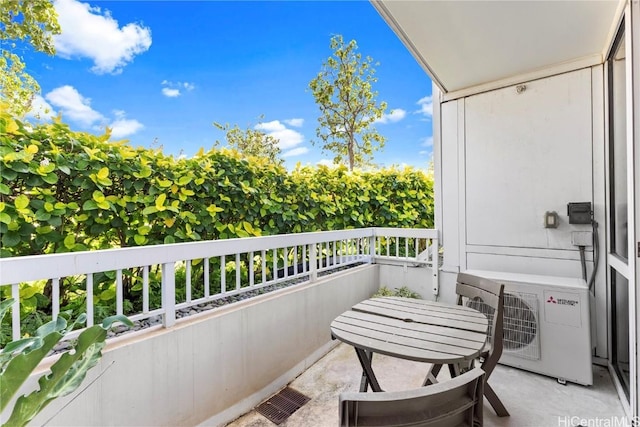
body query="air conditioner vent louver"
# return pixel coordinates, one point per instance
(546, 324)
(520, 323)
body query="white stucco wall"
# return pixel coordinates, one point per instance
(216, 366)
(417, 278)
(507, 156)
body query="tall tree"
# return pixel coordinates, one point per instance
(348, 106)
(23, 21)
(251, 142)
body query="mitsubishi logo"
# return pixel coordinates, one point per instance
(562, 301)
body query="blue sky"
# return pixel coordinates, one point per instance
(161, 72)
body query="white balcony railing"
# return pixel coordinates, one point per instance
(169, 278)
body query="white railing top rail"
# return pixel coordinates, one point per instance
(38, 267)
(416, 233)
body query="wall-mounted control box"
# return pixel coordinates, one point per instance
(579, 212)
(582, 238)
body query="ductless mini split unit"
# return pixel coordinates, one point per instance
(546, 325)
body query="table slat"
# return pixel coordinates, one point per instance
(453, 321)
(441, 334)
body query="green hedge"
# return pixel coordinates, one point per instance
(64, 191)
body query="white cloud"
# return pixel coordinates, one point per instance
(426, 106)
(394, 116)
(171, 93)
(173, 89)
(122, 127)
(73, 105)
(288, 138)
(41, 109)
(427, 142)
(88, 32)
(294, 122)
(77, 108)
(295, 152)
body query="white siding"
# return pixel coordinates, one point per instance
(509, 157)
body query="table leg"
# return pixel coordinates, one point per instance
(456, 369)
(368, 377)
(432, 375)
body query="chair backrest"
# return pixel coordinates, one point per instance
(486, 296)
(455, 402)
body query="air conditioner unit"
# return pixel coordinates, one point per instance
(546, 325)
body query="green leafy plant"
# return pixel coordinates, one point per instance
(404, 292)
(19, 358)
(66, 191)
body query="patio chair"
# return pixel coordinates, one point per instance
(457, 402)
(486, 296)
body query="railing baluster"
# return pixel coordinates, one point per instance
(397, 247)
(295, 260)
(327, 256)
(250, 261)
(89, 295)
(205, 267)
(305, 266)
(119, 293)
(15, 311)
(435, 261)
(263, 259)
(187, 281)
(55, 298)
(145, 289)
(285, 257)
(223, 275)
(274, 273)
(406, 247)
(238, 276)
(334, 253)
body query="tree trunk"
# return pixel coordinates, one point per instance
(350, 151)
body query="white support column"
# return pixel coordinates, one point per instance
(313, 263)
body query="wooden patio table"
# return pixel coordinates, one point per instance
(413, 329)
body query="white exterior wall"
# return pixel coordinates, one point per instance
(417, 278)
(505, 158)
(212, 368)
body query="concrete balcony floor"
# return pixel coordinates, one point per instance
(532, 400)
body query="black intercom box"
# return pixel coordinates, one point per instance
(579, 212)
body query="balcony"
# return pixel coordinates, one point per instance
(223, 325)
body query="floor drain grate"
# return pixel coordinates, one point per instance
(280, 406)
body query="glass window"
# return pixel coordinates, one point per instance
(620, 289)
(618, 148)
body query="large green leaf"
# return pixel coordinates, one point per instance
(66, 375)
(20, 367)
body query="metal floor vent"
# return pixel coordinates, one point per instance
(281, 405)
